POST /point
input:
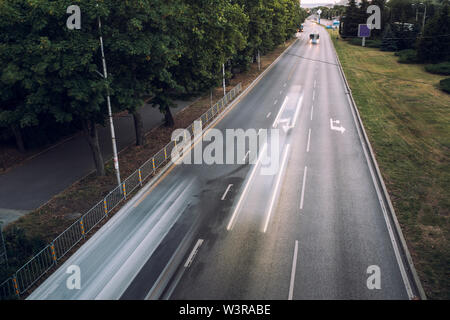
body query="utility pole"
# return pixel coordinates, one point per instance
(3, 255)
(224, 87)
(424, 16)
(259, 61)
(108, 99)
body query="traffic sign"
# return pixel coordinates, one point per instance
(363, 31)
(319, 12)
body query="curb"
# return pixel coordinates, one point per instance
(387, 199)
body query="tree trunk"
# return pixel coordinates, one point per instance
(19, 139)
(168, 117)
(139, 128)
(90, 130)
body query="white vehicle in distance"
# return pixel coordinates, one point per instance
(314, 38)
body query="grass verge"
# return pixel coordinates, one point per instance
(407, 118)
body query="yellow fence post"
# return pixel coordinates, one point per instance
(16, 286)
(52, 248)
(154, 168)
(140, 176)
(124, 190)
(82, 227)
(105, 206)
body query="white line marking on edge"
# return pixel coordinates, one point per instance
(383, 209)
(294, 268)
(303, 188)
(309, 140)
(277, 185)
(228, 189)
(193, 253)
(237, 208)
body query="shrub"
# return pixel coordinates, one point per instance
(369, 43)
(439, 68)
(373, 43)
(445, 85)
(407, 56)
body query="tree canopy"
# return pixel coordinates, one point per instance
(154, 49)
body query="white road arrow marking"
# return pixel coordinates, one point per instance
(333, 127)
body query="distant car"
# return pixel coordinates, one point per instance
(314, 38)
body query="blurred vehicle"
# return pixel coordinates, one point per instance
(314, 38)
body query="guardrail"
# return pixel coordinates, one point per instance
(32, 271)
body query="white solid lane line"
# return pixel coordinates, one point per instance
(309, 140)
(277, 185)
(299, 106)
(303, 188)
(275, 123)
(294, 268)
(244, 192)
(228, 189)
(193, 253)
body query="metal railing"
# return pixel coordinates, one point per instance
(43, 261)
(3, 255)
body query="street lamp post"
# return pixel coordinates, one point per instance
(424, 16)
(108, 99)
(416, 5)
(223, 80)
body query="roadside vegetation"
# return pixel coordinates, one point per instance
(417, 31)
(407, 119)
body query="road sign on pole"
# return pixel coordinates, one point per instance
(319, 12)
(363, 32)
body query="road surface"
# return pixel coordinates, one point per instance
(310, 231)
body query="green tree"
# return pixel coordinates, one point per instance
(142, 42)
(434, 45)
(351, 20)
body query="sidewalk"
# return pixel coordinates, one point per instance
(33, 183)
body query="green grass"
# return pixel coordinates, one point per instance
(407, 119)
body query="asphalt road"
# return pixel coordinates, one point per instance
(310, 231)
